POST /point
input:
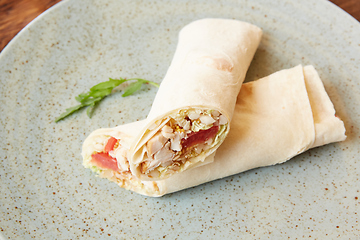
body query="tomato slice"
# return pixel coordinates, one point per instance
(110, 144)
(104, 161)
(199, 137)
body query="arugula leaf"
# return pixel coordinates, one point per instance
(98, 92)
(133, 87)
(68, 112)
(90, 109)
(108, 84)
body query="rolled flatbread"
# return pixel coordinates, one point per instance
(191, 113)
(275, 119)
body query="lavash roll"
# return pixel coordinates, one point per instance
(275, 119)
(191, 113)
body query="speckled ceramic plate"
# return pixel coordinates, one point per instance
(47, 194)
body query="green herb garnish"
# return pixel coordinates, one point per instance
(100, 91)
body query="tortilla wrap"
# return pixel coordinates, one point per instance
(275, 119)
(195, 102)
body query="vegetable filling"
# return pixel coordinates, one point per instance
(113, 157)
(111, 163)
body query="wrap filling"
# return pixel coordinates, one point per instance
(180, 137)
(110, 161)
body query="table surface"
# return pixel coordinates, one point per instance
(14, 15)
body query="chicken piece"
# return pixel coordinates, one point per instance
(164, 155)
(155, 143)
(167, 132)
(176, 141)
(121, 157)
(206, 119)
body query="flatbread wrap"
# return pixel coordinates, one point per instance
(191, 113)
(275, 119)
